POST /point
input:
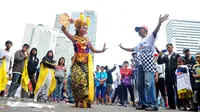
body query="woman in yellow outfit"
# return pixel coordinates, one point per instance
(82, 84)
(46, 81)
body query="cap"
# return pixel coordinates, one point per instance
(155, 55)
(120, 66)
(186, 49)
(138, 28)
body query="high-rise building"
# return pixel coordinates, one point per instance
(64, 48)
(42, 37)
(184, 34)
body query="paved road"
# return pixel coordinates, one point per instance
(63, 107)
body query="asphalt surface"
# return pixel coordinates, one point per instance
(63, 107)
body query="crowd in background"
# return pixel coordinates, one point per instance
(177, 79)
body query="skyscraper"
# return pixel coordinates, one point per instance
(64, 48)
(184, 34)
(42, 37)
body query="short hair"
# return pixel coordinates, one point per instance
(26, 45)
(198, 53)
(98, 66)
(106, 67)
(182, 59)
(8, 42)
(102, 67)
(169, 44)
(126, 62)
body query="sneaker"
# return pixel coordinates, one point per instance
(10, 98)
(53, 100)
(140, 107)
(35, 100)
(198, 108)
(151, 109)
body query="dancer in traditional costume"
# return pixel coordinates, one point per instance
(46, 81)
(82, 69)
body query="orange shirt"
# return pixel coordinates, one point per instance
(126, 71)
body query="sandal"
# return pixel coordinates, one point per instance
(81, 104)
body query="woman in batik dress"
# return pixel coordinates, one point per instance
(82, 84)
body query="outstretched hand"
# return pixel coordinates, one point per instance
(163, 18)
(120, 45)
(104, 47)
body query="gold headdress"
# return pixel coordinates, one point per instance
(80, 22)
(65, 20)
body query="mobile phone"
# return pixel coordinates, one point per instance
(165, 50)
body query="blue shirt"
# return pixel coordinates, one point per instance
(100, 76)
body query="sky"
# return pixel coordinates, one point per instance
(116, 20)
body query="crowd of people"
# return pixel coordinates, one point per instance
(151, 72)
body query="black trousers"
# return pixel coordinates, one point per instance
(125, 93)
(118, 93)
(33, 81)
(16, 81)
(160, 86)
(170, 81)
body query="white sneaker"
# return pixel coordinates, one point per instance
(35, 100)
(10, 98)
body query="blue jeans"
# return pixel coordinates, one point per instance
(59, 86)
(141, 86)
(102, 89)
(150, 89)
(16, 81)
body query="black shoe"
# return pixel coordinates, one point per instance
(151, 109)
(140, 107)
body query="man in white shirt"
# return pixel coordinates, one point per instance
(7, 55)
(145, 49)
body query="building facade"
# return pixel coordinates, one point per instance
(64, 48)
(41, 37)
(184, 34)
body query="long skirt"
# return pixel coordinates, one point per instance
(79, 81)
(44, 89)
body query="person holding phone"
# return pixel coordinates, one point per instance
(170, 61)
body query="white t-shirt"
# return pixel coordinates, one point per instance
(146, 43)
(160, 70)
(183, 79)
(118, 80)
(8, 55)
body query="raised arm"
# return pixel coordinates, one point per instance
(161, 20)
(98, 51)
(69, 35)
(126, 49)
(161, 59)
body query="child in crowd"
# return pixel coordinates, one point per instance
(183, 84)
